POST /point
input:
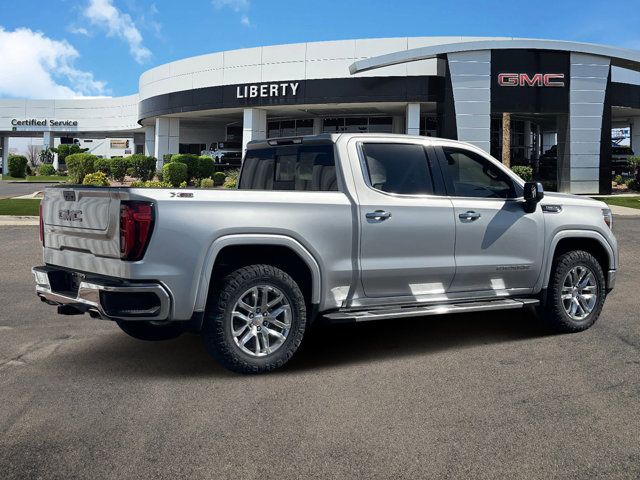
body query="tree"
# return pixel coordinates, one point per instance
(506, 139)
(33, 154)
(46, 155)
(65, 150)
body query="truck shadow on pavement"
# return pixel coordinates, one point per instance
(327, 346)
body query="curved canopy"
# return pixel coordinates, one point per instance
(620, 57)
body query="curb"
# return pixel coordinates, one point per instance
(15, 220)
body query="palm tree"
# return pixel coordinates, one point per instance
(506, 139)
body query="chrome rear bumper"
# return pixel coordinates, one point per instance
(103, 297)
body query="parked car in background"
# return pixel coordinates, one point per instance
(225, 153)
(347, 227)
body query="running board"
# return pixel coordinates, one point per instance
(419, 311)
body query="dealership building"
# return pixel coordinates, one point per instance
(564, 99)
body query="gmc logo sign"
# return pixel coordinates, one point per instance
(536, 80)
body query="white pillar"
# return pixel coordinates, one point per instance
(634, 123)
(150, 141)
(413, 119)
(5, 155)
(166, 138)
(317, 126)
(254, 126)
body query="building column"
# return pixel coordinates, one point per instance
(5, 155)
(150, 141)
(254, 126)
(634, 123)
(166, 138)
(527, 139)
(413, 119)
(317, 126)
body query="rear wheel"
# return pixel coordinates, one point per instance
(143, 330)
(256, 319)
(576, 294)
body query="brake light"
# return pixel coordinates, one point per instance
(41, 226)
(136, 224)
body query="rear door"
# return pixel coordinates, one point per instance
(82, 219)
(498, 246)
(407, 229)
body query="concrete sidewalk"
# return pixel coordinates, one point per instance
(627, 211)
(14, 220)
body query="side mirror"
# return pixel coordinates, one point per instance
(533, 193)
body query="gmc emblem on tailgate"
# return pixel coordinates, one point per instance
(70, 215)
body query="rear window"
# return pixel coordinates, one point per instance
(290, 167)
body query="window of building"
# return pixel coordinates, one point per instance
(471, 175)
(193, 148)
(290, 167)
(289, 128)
(398, 168)
(357, 124)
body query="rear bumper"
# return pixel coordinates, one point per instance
(107, 298)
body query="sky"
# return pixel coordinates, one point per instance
(67, 49)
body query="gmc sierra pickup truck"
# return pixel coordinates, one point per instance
(347, 227)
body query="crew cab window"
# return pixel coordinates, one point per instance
(398, 168)
(472, 175)
(290, 167)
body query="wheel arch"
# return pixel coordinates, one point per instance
(257, 240)
(590, 241)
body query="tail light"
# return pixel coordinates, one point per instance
(136, 225)
(41, 226)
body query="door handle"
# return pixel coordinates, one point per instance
(469, 216)
(378, 215)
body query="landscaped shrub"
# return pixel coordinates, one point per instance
(206, 183)
(46, 169)
(617, 179)
(205, 166)
(151, 184)
(79, 165)
(17, 166)
(183, 185)
(29, 171)
(118, 168)
(634, 166)
(65, 150)
(232, 179)
(102, 165)
(144, 167)
(99, 179)
(174, 173)
(524, 172)
(219, 178)
(632, 184)
(190, 160)
(166, 158)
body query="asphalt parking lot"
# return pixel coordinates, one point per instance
(479, 396)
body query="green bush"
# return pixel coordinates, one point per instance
(102, 165)
(232, 179)
(79, 165)
(99, 179)
(183, 185)
(524, 172)
(174, 173)
(118, 168)
(205, 166)
(632, 184)
(46, 169)
(206, 183)
(190, 160)
(65, 150)
(166, 158)
(29, 171)
(151, 184)
(144, 167)
(219, 178)
(17, 166)
(617, 179)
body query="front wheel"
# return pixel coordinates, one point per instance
(256, 319)
(576, 294)
(149, 331)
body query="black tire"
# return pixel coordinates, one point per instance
(554, 313)
(217, 329)
(143, 330)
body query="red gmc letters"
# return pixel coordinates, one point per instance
(536, 80)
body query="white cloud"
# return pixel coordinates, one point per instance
(35, 66)
(104, 15)
(78, 30)
(238, 6)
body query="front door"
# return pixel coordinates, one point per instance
(407, 229)
(499, 247)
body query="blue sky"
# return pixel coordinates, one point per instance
(65, 48)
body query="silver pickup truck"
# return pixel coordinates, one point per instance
(349, 227)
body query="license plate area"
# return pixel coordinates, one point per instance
(65, 283)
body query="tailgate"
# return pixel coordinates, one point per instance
(82, 219)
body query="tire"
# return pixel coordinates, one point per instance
(143, 330)
(559, 298)
(255, 347)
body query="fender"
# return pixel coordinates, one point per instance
(255, 239)
(546, 271)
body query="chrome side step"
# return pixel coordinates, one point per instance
(422, 310)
